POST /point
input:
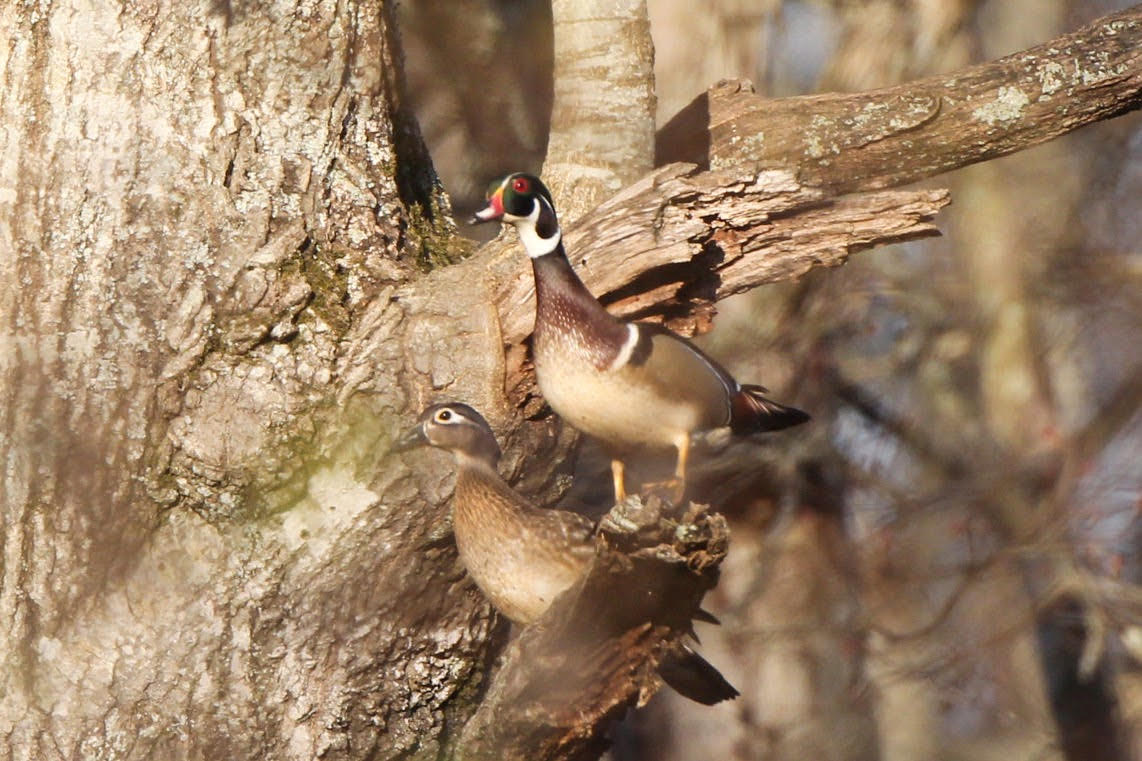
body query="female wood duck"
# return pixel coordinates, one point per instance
(626, 383)
(520, 556)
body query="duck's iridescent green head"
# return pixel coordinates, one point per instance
(513, 198)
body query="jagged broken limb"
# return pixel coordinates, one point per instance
(596, 652)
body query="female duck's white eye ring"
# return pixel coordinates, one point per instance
(444, 416)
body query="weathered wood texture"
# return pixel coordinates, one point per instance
(893, 136)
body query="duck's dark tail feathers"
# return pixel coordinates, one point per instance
(695, 678)
(753, 412)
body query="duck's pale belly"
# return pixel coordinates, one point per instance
(629, 407)
(519, 581)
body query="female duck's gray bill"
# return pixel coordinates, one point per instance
(410, 439)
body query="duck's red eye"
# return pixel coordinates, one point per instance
(521, 185)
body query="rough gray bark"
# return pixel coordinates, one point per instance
(201, 555)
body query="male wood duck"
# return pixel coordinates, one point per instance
(626, 383)
(521, 556)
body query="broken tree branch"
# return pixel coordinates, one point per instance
(896, 135)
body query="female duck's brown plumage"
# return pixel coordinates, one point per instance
(629, 384)
(522, 557)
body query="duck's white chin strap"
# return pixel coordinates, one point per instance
(529, 236)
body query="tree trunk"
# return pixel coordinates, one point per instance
(202, 556)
